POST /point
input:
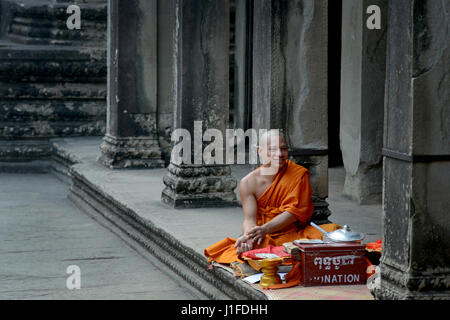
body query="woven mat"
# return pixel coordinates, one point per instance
(351, 292)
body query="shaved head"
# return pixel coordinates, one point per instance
(266, 137)
(272, 151)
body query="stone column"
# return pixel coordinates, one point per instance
(362, 100)
(131, 139)
(290, 84)
(268, 111)
(242, 65)
(167, 67)
(416, 230)
(200, 85)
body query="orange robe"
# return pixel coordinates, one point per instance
(290, 191)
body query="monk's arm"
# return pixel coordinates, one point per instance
(250, 208)
(279, 222)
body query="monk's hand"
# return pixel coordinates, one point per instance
(243, 244)
(257, 233)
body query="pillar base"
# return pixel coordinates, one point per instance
(130, 152)
(412, 285)
(191, 186)
(321, 212)
(318, 166)
(365, 187)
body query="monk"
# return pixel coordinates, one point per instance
(277, 204)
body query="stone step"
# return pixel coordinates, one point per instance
(24, 151)
(51, 129)
(52, 110)
(31, 110)
(52, 64)
(53, 91)
(45, 23)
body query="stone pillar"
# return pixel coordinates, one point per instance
(362, 100)
(416, 230)
(131, 139)
(268, 111)
(290, 84)
(242, 65)
(167, 67)
(200, 82)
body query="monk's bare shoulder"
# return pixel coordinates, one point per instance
(247, 184)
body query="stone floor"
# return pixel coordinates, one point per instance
(42, 234)
(363, 218)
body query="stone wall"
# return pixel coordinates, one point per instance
(52, 79)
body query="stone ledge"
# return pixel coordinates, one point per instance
(180, 258)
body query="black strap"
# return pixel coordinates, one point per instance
(308, 152)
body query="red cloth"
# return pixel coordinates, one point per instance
(374, 246)
(279, 251)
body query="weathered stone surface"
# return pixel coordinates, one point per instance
(242, 112)
(268, 110)
(131, 139)
(43, 22)
(167, 69)
(51, 85)
(49, 92)
(24, 150)
(318, 166)
(130, 152)
(199, 82)
(415, 262)
(362, 100)
(199, 186)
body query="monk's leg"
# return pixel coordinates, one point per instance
(222, 251)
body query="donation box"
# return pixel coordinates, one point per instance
(332, 264)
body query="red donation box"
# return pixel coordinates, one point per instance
(332, 264)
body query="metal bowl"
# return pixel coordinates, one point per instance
(345, 235)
